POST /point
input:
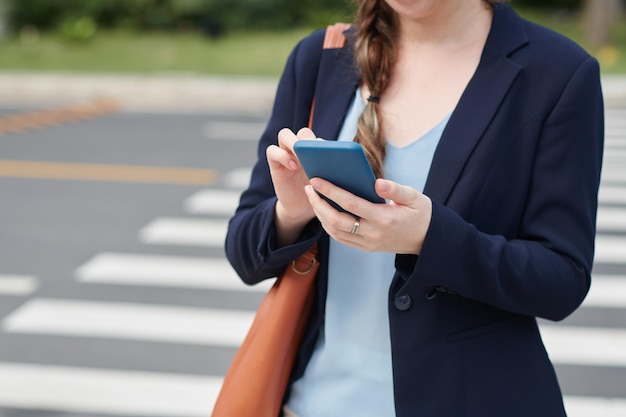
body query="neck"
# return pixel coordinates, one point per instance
(454, 24)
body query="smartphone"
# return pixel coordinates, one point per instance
(341, 162)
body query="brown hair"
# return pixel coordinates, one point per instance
(375, 55)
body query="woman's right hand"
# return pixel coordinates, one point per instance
(292, 211)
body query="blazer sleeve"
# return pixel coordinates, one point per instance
(546, 270)
(251, 245)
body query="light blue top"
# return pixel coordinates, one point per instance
(350, 371)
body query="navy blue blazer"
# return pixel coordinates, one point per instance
(514, 185)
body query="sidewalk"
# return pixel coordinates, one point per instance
(174, 93)
(140, 93)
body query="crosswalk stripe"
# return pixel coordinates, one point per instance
(566, 344)
(234, 130)
(237, 179)
(224, 202)
(132, 393)
(610, 249)
(616, 122)
(18, 284)
(211, 201)
(612, 195)
(612, 144)
(127, 393)
(614, 141)
(613, 219)
(593, 406)
(615, 154)
(607, 291)
(613, 178)
(185, 231)
(157, 323)
(89, 391)
(164, 271)
(613, 172)
(615, 131)
(585, 345)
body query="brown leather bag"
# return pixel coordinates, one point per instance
(255, 383)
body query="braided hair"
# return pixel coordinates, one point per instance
(375, 55)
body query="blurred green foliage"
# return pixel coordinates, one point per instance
(82, 29)
(77, 18)
(212, 17)
(170, 35)
(550, 4)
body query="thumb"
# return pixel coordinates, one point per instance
(401, 195)
(306, 133)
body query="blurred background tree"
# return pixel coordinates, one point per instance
(3, 21)
(244, 37)
(81, 19)
(214, 17)
(78, 18)
(600, 18)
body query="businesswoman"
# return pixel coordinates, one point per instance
(487, 133)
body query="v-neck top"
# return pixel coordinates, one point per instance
(350, 372)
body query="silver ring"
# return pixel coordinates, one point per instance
(355, 228)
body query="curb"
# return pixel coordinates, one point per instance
(174, 93)
(140, 93)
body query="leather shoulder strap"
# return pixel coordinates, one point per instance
(334, 37)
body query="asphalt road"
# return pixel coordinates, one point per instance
(116, 299)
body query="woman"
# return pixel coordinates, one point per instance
(488, 131)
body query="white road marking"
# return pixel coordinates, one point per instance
(610, 194)
(211, 201)
(157, 323)
(607, 291)
(613, 219)
(164, 271)
(88, 391)
(18, 284)
(185, 232)
(576, 345)
(595, 407)
(611, 144)
(615, 155)
(251, 131)
(610, 249)
(613, 172)
(131, 393)
(237, 179)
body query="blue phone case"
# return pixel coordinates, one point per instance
(342, 163)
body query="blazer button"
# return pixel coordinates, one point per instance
(403, 302)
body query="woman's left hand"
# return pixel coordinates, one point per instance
(397, 227)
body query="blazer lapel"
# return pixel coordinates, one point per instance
(336, 84)
(478, 104)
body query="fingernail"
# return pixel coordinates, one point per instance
(293, 164)
(315, 183)
(383, 185)
(308, 189)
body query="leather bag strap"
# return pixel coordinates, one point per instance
(334, 35)
(333, 39)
